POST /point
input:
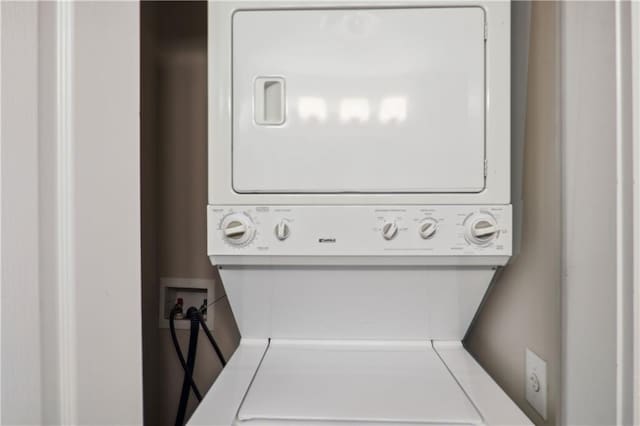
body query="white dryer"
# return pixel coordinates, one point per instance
(359, 206)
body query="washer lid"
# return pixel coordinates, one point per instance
(356, 382)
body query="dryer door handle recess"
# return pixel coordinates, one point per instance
(269, 101)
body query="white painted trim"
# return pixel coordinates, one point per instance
(619, 216)
(635, 83)
(624, 199)
(626, 255)
(1, 203)
(21, 336)
(70, 213)
(65, 214)
(597, 177)
(106, 255)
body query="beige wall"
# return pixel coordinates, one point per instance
(523, 308)
(174, 196)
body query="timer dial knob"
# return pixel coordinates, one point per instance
(428, 228)
(238, 229)
(389, 230)
(482, 229)
(282, 230)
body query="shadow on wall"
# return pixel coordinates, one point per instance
(174, 197)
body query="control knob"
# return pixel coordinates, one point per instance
(389, 230)
(238, 229)
(427, 228)
(282, 230)
(482, 230)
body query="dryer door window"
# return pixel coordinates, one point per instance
(359, 100)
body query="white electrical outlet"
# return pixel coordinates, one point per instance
(536, 382)
(192, 291)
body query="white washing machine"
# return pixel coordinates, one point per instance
(359, 188)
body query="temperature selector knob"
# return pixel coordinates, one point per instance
(282, 230)
(238, 229)
(389, 230)
(427, 228)
(482, 229)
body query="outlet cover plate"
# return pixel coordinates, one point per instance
(193, 291)
(536, 382)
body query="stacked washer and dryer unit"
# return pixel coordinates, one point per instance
(359, 206)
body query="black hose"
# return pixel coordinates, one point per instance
(203, 323)
(176, 345)
(191, 362)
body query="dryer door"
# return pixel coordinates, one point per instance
(359, 100)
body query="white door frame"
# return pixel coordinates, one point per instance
(635, 83)
(20, 319)
(600, 153)
(70, 213)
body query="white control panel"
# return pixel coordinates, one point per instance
(360, 230)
